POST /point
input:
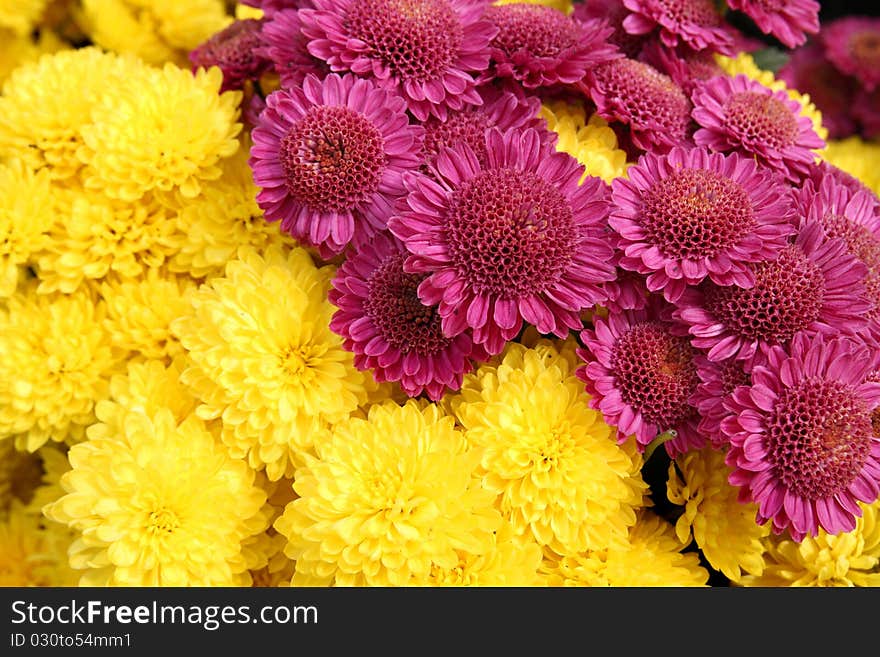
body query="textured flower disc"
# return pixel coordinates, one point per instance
(235, 49)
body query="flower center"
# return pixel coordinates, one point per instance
(655, 373)
(697, 12)
(865, 48)
(333, 159)
(695, 213)
(465, 127)
(393, 305)
(163, 521)
(539, 30)
(819, 436)
(787, 296)
(510, 233)
(416, 39)
(297, 360)
(865, 246)
(762, 119)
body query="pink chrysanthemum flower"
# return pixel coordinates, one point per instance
(686, 67)
(656, 110)
(425, 50)
(691, 215)
(790, 21)
(284, 44)
(850, 216)
(810, 72)
(824, 169)
(812, 286)
(390, 331)
(852, 44)
(696, 23)
(717, 382)
(540, 46)
(741, 114)
(641, 374)
(514, 240)
(613, 12)
(330, 158)
(802, 446)
(502, 109)
(235, 50)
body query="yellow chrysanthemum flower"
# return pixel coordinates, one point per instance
(55, 363)
(512, 561)
(42, 112)
(164, 130)
(588, 139)
(94, 235)
(387, 500)
(157, 31)
(22, 49)
(858, 158)
(745, 64)
(21, 16)
(32, 553)
(222, 218)
(264, 357)
(20, 474)
(846, 559)
(140, 312)
(723, 528)
(159, 503)
(25, 218)
(565, 6)
(243, 11)
(552, 459)
(652, 558)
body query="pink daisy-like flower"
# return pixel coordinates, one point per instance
(802, 445)
(824, 169)
(235, 49)
(741, 114)
(330, 158)
(812, 286)
(502, 109)
(693, 214)
(696, 23)
(790, 21)
(717, 381)
(850, 216)
(852, 44)
(425, 50)
(808, 71)
(686, 67)
(613, 12)
(514, 240)
(656, 110)
(390, 331)
(541, 46)
(284, 44)
(641, 373)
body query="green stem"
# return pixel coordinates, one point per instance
(659, 440)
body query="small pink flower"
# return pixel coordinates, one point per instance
(717, 382)
(811, 286)
(852, 44)
(802, 444)
(425, 50)
(696, 23)
(330, 159)
(740, 114)
(235, 50)
(690, 215)
(790, 21)
(389, 330)
(641, 373)
(515, 240)
(686, 67)
(540, 46)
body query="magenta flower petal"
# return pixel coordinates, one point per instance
(790, 21)
(285, 45)
(236, 51)
(696, 23)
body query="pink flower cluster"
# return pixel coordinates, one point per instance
(726, 291)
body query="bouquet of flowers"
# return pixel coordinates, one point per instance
(439, 292)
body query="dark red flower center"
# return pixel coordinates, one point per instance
(541, 31)
(865, 48)
(695, 12)
(819, 437)
(393, 305)
(510, 233)
(787, 297)
(696, 213)
(467, 126)
(416, 39)
(655, 373)
(333, 158)
(761, 119)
